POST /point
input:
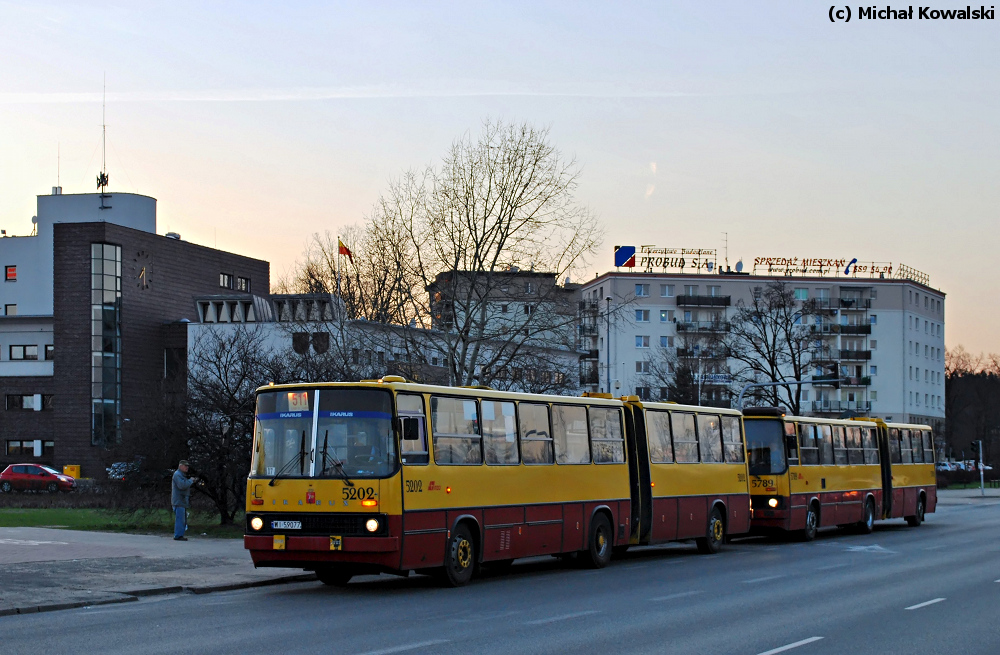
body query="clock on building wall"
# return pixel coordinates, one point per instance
(142, 269)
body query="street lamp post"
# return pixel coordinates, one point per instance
(607, 345)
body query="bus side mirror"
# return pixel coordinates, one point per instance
(409, 429)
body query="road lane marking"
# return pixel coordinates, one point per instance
(833, 566)
(31, 542)
(934, 547)
(919, 605)
(683, 594)
(765, 579)
(782, 649)
(406, 647)
(562, 617)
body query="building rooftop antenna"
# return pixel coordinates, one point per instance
(725, 236)
(102, 177)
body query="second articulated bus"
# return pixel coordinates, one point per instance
(807, 473)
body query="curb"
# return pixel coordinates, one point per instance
(131, 596)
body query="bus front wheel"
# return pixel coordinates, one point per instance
(598, 554)
(460, 557)
(715, 534)
(867, 525)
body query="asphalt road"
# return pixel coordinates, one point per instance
(933, 589)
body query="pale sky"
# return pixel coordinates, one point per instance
(256, 124)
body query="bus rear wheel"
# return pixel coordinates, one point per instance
(808, 533)
(867, 525)
(918, 518)
(715, 534)
(598, 554)
(459, 558)
(334, 577)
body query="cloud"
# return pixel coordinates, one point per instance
(303, 94)
(649, 190)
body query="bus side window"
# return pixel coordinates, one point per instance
(607, 439)
(710, 437)
(916, 444)
(870, 445)
(807, 444)
(928, 447)
(685, 438)
(661, 450)
(855, 454)
(569, 433)
(904, 446)
(732, 440)
(270, 446)
(895, 455)
(839, 446)
(824, 439)
(536, 436)
(499, 432)
(455, 425)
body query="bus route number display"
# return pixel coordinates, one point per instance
(298, 401)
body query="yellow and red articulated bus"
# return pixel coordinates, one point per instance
(808, 473)
(391, 476)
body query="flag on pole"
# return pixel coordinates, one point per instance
(344, 250)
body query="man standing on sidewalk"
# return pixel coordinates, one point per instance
(180, 498)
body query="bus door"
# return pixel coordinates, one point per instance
(638, 473)
(886, 466)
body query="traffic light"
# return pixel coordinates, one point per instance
(975, 452)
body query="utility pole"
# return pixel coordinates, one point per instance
(607, 345)
(982, 484)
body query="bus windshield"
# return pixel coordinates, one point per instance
(765, 446)
(353, 436)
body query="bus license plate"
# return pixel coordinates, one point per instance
(336, 543)
(286, 525)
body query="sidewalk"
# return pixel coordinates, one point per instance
(966, 496)
(46, 569)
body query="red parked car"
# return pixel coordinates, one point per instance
(24, 477)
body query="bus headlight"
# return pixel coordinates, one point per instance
(773, 502)
(371, 525)
(256, 523)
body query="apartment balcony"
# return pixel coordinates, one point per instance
(825, 355)
(864, 381)
(824, 328)
(826, 380)
(719, 379)
(855, 355)
(589, 306)
(859, 304)
(588, 377)
(702, 326)
(840, 406)
(704, 301)
(588, 330)
(590, 354)
(856, 329)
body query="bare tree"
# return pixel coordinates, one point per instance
(224, 369)
(770, 341)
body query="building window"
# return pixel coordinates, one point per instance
(642, 315)
(29, 401)
(503, 309)
(18, 353)
(529, 287)
(10, 310)
(36, 448)
(243, 284)
(873, 370)
(690, 289)
(641, 290)
(666, 315)
(714, 290)
(642, 367)
(641, 341)
(666, 291)
(874, 294)
(666, 342)
(106, 343)
(642, 392)
(873, 319)
(49, 352)
(528, 309)
(873, 395)
(802, 294)
(10, 274)
(225, 280)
